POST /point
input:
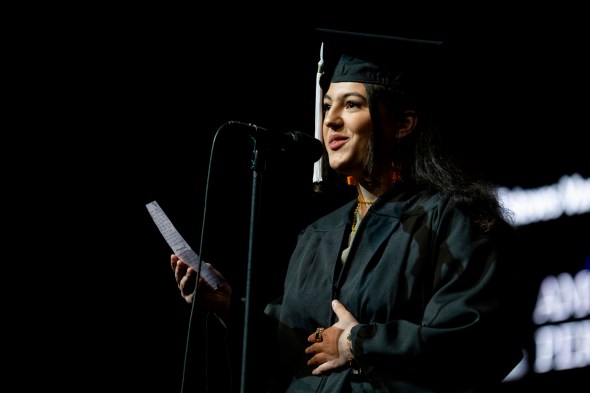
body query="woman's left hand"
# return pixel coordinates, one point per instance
(330, 347)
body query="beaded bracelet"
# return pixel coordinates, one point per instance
(349, 342)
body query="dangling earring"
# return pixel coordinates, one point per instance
(351, 181)
(395, 176)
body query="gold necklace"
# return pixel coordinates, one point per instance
(357, 210)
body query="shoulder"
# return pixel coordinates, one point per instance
(334, 219)
(412, 203)
(440, 213)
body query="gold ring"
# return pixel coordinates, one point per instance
(318, 334)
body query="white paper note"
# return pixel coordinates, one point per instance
(180, 247)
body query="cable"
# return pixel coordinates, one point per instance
(193, 311)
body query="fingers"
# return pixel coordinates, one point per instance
(345, 319)
(317, 360)
(329, 347)
(339, 309)
(317, 336)
(183, 274)
(326, 366)
(180, 268)
(217, 299)
(322, 361)
(317, 351)
(324, 351)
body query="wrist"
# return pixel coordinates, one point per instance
(349, 354)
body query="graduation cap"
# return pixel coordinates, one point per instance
(372, 58)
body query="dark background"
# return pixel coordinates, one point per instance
(128, 101)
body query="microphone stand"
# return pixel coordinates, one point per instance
(258, 161)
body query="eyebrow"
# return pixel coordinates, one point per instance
(346, 95)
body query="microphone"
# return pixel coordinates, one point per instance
(293, 142)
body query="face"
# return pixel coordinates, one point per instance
(347, 127)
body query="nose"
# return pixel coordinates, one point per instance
(332, 119)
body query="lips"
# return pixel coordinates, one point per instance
(336, 141)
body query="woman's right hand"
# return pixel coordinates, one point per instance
(216, 300)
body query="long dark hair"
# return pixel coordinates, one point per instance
(422, 158)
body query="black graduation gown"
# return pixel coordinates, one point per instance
(430, 289)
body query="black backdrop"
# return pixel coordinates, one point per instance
(133, 98)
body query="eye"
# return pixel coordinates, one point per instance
(352, 104)
(326, 107)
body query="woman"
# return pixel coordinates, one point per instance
(406, 287)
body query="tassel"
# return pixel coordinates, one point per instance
(317, 167)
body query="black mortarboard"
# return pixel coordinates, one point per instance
(373, 58)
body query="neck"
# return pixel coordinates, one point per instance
(366, 196)
(372, 190)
